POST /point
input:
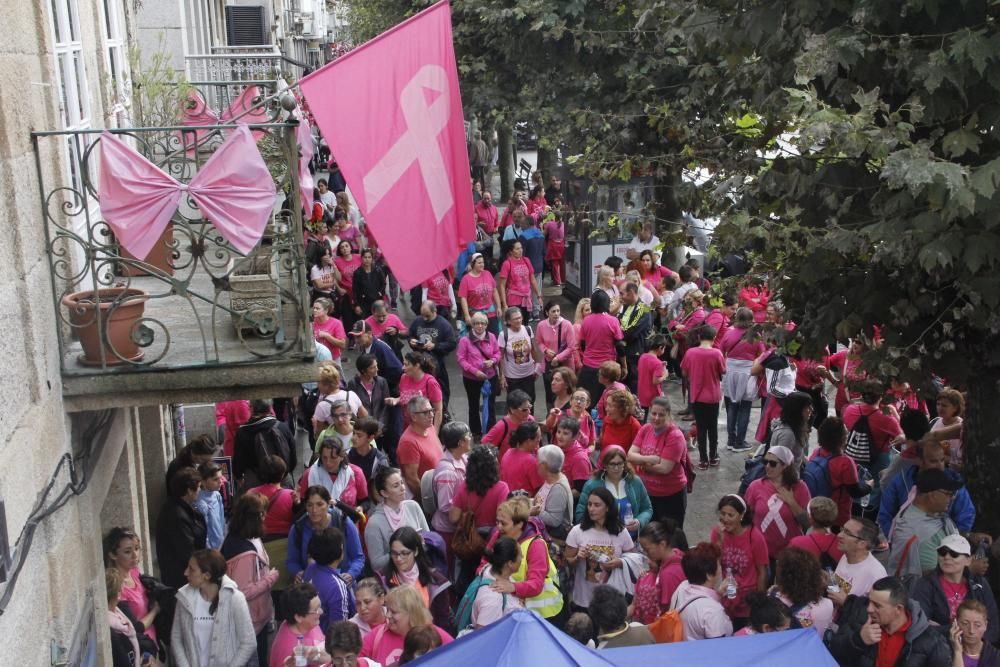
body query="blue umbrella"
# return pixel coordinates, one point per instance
(791, 648)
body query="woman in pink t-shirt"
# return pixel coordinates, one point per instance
(517, 281)
(418, 380)
(778, 500)
(404, 609)
(121, 551)
(477, 292)
(744, 553)
(327, 329)
(652, 371)
(659, 454)
(555, 247)
(601, 339)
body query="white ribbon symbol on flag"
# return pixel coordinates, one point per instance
(418, 144)
(774, 504)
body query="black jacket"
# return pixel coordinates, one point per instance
(930, 595)
(374, 404)
(440, 332)
(924, 647)
(637, 322)
(180, 531)
(122, 651)
(368, 288)
(245, 451)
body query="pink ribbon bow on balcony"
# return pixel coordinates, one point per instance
(241, 110)
(303, 134)
(234, 190)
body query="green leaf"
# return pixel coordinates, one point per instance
(961, 141)
(986, 179)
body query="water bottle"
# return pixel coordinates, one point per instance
(626, 511)
(300, 652)
(731, 587)
(832, 586)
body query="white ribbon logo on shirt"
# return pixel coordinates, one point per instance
(418, 144)
(774, 504)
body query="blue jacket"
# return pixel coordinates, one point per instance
(298, 545)
(209, 503)
(336, 596)
(962, 511)
(635, 491)
(533, 242)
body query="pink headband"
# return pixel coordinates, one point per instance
(618, 449)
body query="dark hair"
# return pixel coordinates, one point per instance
(614, 262)
(203, 445)
(600, 302)
(701, 562)
(295, 600)
(869, 531)
(453, 433)
(832, 435)
(665, 531)
(766, 610)
(247, 518)
(336, 445)
(505, 550)
(260, 406)
(367, 251)
(914, 424)
(728, 299)
(368, 425)
(799, 576)
(326, 545)
(612, 522)
(420, 639)
(706, 332)
(317, 490)
(113, 540)
(481, 470)
(669, 281)
(685, 273)
(421, 359)
(381, 478)
(343, 636)
(608, 608)
(272, 469)
(411, 539)
(580, 627)
(571, 424)
(630, 287)
(548, 305)
(523, 433)
(652, 256)
(734, 501)
(364, 362)
(791, 412)
(516, 399)
(871, 391)
(212, 562)
(895, 588)
(656, 340)
(208, 469)
(315, 252)
(184, 480)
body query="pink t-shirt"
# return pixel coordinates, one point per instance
(279, 517)
(734, 347)
(378, 328)
(477, 290)
(437, 289)
(576, 464)
(599, 332)
(484, 507)
(427, 386)
(669, 445)
(517, 273)
(614, 386)
(520, 470)
(285, 640)
(424, 451)
(650, 367)
(743, 553)
(772, 516)
(137, 600)
(347, 267)
(385, 647)
(704, 367)
(335, 328)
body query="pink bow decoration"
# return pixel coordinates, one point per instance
(199, 113)
(303, 134)
(234, 190)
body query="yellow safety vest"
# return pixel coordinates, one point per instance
(549, 602)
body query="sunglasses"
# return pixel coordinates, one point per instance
(771, 463)
(945, 551)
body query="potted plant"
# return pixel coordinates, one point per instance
(107, 338)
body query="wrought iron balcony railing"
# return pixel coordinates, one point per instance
(194, 301)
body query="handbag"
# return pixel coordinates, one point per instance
(466, 542)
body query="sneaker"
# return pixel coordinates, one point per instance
(714, 462)
(744, 447)
(703, 465)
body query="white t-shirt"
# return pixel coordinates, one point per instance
(639, 246)
(490, 606)
(329, 200)
(325, 403)
(516, 346)
(857, 579)
(203, 623)
(599, 541)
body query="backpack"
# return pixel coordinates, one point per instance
(816, 475)
(308, 401)
(428, 499)
(463, 612)
(754, 468)
(859, 441)
(669, 627)
(793, 611)
(826, 561)
(272, 441)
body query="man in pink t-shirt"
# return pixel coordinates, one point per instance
(419, 447)
(704, 367)
(381, 319)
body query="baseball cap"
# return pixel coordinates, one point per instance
(956, 543)
(360, 327)
(936, 480)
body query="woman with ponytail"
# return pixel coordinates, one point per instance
(504, 559)
(212, 624)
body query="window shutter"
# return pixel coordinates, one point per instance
(245, 26)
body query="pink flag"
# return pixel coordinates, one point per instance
(303, 134)
(234, 190)
(400, 142)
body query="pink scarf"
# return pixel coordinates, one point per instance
(119, 623)
(395, 517)
(410, 577)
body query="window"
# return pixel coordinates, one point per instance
(70, 68)
(116, 60)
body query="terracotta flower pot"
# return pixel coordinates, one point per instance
(120, 308)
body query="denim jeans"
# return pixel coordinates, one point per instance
(737, 421)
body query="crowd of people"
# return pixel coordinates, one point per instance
(406, 528)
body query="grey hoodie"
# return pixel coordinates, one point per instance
(233, 640)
